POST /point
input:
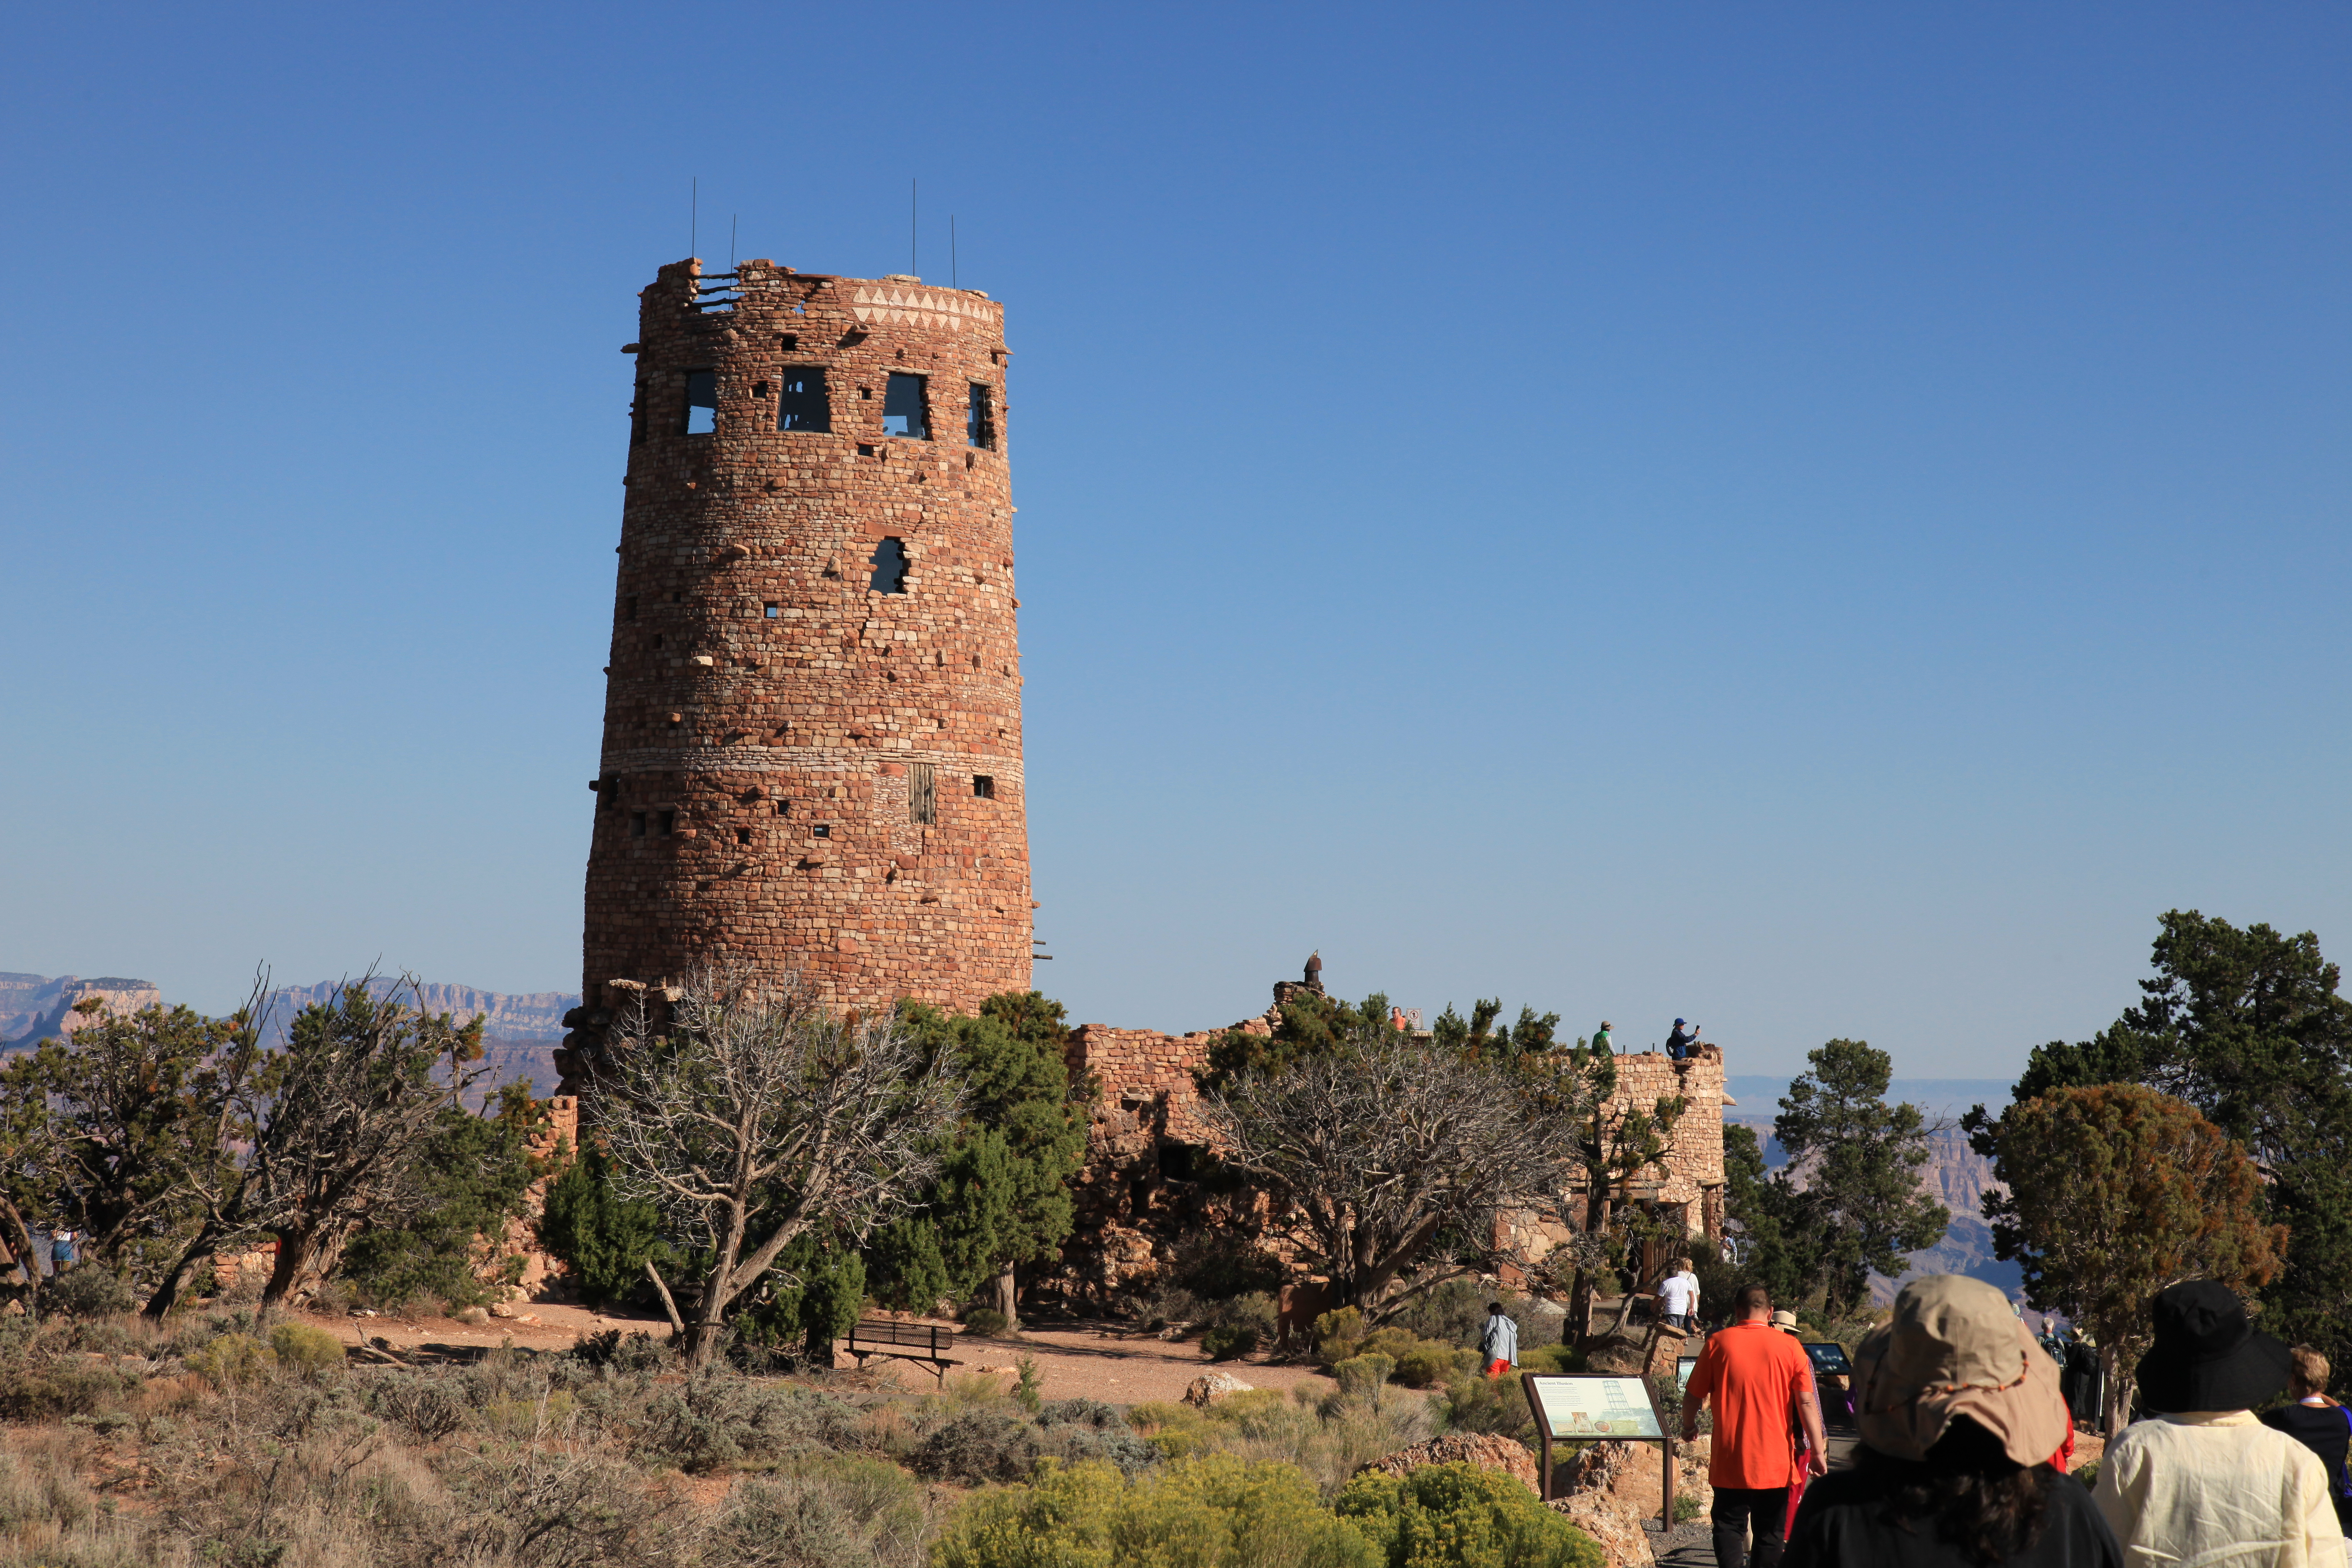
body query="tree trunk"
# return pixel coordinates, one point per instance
(295, 1247)
(1007, 1299)
(167, 1295)
(669, 1303)
(20, 1237)
(2116, 1405)
(709, 1326)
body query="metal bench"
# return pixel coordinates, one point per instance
(926, 1342)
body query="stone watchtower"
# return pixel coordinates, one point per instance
(811, 754)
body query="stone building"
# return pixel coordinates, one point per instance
(1138, 1197)
(812, 747)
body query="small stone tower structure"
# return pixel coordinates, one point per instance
(812, 755)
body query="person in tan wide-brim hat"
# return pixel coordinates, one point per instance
(1958, 1414)
(1785, 1320)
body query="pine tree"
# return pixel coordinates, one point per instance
(1852, 1186)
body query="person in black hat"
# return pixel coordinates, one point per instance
(2204, 1482)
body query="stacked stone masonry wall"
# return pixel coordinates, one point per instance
(769, 710)
(1145, 1102)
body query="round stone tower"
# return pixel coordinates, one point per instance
(811, 754)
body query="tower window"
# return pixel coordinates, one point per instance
(668, 822)
(701, 402)
(802, 405)
(980, 419)
(789, 341)
(822, 830)
(902, 407)
(771, 610)
(743, 836)
(889, 566)
(608, 794)
(983, 786)
(636, 825)
(922, 793)
(637, 414)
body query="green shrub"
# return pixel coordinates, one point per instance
(234, 1361)
(980, 1445)
(1363, 1374)
(1028, 1388)
(1454, 1312)
(716, 1420)
(1226, 1344)
(1496, 1405)
(637, 1352)
(839, 1509)
(1217, 1264)
(1338, 1335)
(1446, 1515)
(55, 1393)
(985, 1321)
(2088, 1474)
(1432, 1362)
(88, 1291)
(1215, 1509)
(313, 1354)
(1553, 1359)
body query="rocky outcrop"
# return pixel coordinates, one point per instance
(1206, 1391)
(1507, 1455)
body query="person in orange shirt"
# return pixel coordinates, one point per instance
(1760, 1383)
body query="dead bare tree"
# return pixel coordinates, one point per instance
(1373, 1150)
(757, 1114)
(335, 1122)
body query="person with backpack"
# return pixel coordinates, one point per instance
(2320, 1425)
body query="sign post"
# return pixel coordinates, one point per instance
(1600, 1407)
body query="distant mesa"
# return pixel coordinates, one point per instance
(518, 1034)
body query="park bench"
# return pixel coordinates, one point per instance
(926, 1342)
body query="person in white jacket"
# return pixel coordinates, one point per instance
(1498, 1342)
(2204, 1483)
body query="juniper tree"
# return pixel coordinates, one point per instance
(2113, 1192)
(2248, 1026)
(1850, 1194)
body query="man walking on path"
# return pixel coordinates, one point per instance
(2204, 1482)
(1498, 1342)
(1678, 1297)
(1762, 1387)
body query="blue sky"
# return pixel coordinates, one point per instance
(1824, 519)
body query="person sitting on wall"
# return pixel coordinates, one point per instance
(1683, 1043)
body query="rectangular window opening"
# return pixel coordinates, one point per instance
(822, 830)
(608, 794)
(743, 836)
(636, 825)
(980, 419)
(771, 610)
(983, 786)
(668, 822)
(701, 402)
(802, 405)
(789, 341)
(889, 563)
(902, 407)
(637, 414)
(922, 793)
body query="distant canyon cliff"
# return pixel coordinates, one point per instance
(519, 1033)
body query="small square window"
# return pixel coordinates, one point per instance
(771, 610)
(636, 825)
(701, 402)
(983, 786)
(743, 836)
(902, 407)
(668, 822)
(784, 808)
(789, 341)
(802, 405)
(822, 830)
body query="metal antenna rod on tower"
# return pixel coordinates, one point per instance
(954, 277)
(730, 241)
(914, 191)
(693, 214)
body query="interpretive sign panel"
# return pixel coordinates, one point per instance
(1683, 1366)
(1595, 1407)
(1829, 1360)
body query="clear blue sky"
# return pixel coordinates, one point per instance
(1823, 520)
